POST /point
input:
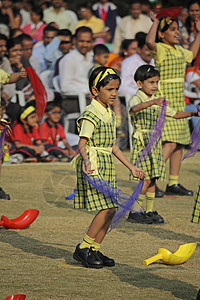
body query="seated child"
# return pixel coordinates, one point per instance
(27, 143)
(51, 132)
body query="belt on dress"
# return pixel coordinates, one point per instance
(92, 157)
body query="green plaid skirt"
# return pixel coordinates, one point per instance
(153, 164)
(86, 196)
(196, 209)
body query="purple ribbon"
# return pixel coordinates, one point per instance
(2, 141)
(155, 133)
(194, 140)
(125, 202)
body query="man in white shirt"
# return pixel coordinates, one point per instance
(40, 47)
(56, 13)
(130, 25)
(132, 63)
(74, 67)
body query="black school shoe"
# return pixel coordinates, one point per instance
(142, 218)
(159, 193)
(88, 257)
(157, 219)
(3, 195)
(178, 189)
(107, 262)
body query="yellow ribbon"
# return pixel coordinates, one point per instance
(164, 21)
(108, 71)
(27, 112)
(138, 135)
(92, 157)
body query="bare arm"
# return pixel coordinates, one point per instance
(196, 44)
(137, 172)
(83, 152)
(14, 77)
(72, 152)
(144, 105)
(38, 149)
(186, 114)
(151, 36)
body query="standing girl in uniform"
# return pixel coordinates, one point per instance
(97, 143)
(170, 60)
(144, 108)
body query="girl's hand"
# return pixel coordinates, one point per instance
(39, 149)
(3, 124)
(137, 172)
(159, 101)
(72, 152)
(23, 72)
(153, 15)
(87, 167)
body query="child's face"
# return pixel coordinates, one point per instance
(149, 86)
(101, 59)
(107, 94)
(32, 120)
(171, 35)
(132, 49)
(54, 115)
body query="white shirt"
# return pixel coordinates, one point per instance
(128, 27)
(128, 68)
(38, 52)
(73, 72)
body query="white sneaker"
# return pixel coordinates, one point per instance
(16, 158)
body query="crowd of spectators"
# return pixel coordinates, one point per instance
(59, 44)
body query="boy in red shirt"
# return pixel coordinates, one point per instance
(51, 132)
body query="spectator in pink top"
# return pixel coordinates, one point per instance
(35, 30)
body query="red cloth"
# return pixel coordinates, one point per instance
(51, 135)
(172, 12)
(39, 92)
(26, 138)
(103, 14)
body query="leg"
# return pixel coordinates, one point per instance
(150, 196)
(168, 149)
(100, 224)
(173, 188)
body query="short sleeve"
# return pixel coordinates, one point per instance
(188, 55)
(61, 132)
(87, 129)
(132, 102)
(159, 54)
(4, 77)
(17, 133)
(170, 112)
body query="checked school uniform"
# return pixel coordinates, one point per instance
(142, 123)
(98, 125)
(27, 138)
(171, 64)
(196, 209)
(51, 135)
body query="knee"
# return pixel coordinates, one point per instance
(110, 212)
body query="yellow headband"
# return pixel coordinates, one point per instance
(27, 112)
(165, 21)
(106, 73)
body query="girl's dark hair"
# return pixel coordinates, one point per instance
(103, 82)
(188, 22)
(38, 11)
(145, 72)
(126, 43)
(50, 106)
(12, 42)
(166, 27)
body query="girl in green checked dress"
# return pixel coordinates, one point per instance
(144, 108)
(170, 59)
(97, 143)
